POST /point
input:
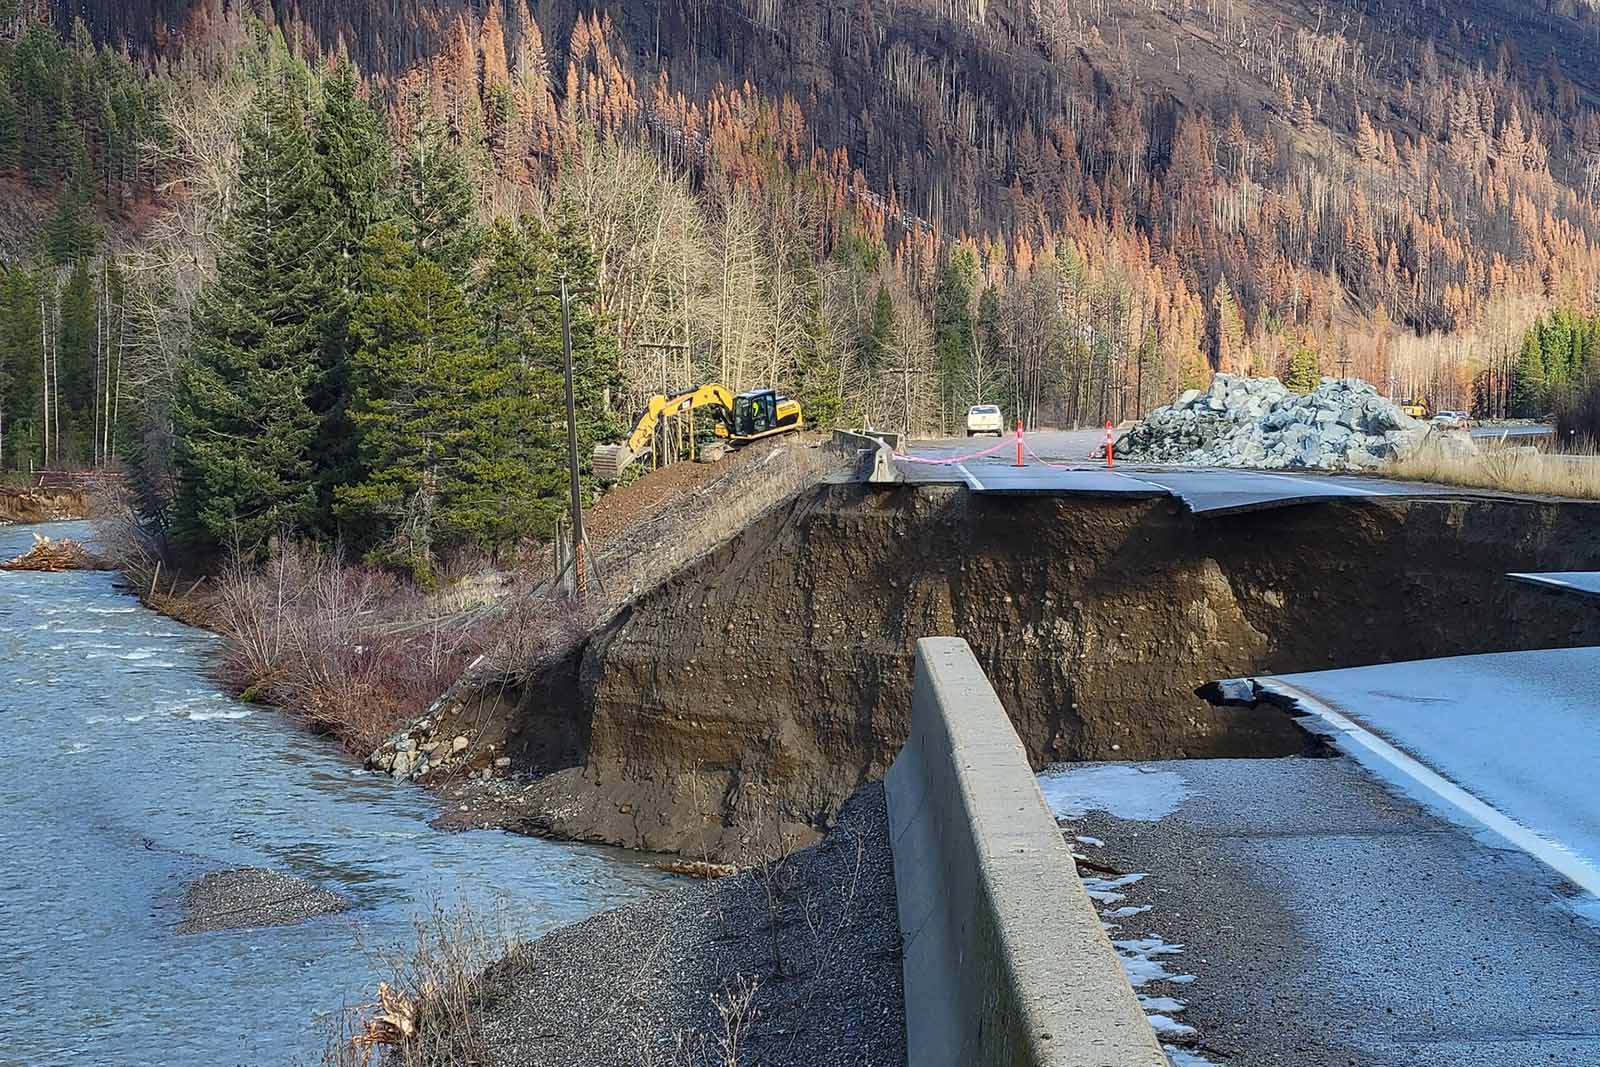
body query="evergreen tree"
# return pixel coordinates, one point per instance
(877, 344)
(1304, 374)
(1555, 349)
(10, 141)
(357, 166)
(596, 353)
(76, 350)
(1528, 393)
(439, 201)
(815, 384)
(517, 483)
(953, 323)
(21, 363)
(245, 432)
(417, 345)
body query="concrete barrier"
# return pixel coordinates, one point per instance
(1005, 959)
(874, 453)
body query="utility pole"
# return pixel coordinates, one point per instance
(661, 431)
(905, 428)
(1344, 364)
(566, 293)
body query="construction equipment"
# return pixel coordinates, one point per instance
(1419, 408)
(740, 419)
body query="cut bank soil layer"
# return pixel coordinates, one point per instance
(763, 684)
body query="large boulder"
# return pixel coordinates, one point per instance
(1342, 424)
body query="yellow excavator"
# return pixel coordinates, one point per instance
(740, 419)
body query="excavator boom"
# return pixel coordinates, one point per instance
(611, 460)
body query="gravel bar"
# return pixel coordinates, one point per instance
(253, 896)
(658, 982)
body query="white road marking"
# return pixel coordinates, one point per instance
(972, 479)
(1384, 758)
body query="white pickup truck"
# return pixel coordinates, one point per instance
(985, 418)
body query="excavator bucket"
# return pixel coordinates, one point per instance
(609, 461)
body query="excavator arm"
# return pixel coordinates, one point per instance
(610, 461)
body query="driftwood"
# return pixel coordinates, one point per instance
(698, 868)
(62, 555)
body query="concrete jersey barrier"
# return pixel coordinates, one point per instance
(1005, 958)
(873, 451)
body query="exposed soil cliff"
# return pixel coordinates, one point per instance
(755, 690)
(40, 505)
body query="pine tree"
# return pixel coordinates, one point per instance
(877, 343)
(1304, 373)
(413, 370)
(357, 165)
(20, 362)
(596, 353)
(816, 385)
(1528, 393)
(953, 323)
(518, 485)
(244, 430)
(75, 352)
(439, 201)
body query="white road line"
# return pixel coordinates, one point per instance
(1387, 760)
(972, 479)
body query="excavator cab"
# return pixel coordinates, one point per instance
(755, 413)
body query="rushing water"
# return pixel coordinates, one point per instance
(128, 774)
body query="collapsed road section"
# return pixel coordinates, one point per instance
(764, 683)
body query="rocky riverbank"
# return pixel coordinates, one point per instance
(796, 963)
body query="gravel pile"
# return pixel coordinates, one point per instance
(1343, 424)
(253, 896)
(643, 984)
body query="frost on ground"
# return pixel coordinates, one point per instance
(1122, 790)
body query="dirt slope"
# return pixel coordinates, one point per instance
(763, 684)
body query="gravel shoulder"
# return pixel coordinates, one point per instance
(253, 896)
(799, 962)
(1297, 911)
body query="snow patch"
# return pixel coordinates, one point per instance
(1122, 790)
(1123, 913)
(1167, 1026)
(1092, 842)
(1140, 962)
(1104, 890)
(1182, 1057)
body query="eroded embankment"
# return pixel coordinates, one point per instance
(40, 505)
(755, 690)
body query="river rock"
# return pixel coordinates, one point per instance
(459, 745)
(1342, 424)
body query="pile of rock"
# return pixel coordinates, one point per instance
(430, 745)
(1342, 424)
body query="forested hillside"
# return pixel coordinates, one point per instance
(890, 210)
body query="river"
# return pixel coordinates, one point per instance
(129, 774)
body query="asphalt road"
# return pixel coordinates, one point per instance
(1060, 463)
(1509, 741)
(1302, 912)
